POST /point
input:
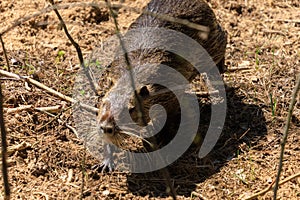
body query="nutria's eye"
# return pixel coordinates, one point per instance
(144, 92)
(131, 110)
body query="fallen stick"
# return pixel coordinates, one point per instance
(60, 121)
(19, 147)
(283, 20)
(254, 196)
(51, 109)
(48, 89)
(18, 109)
(26, 18)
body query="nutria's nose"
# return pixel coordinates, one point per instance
(107, 130)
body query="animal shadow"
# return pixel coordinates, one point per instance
(244, 126)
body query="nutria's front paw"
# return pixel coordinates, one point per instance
(108, 163)
(106, 166)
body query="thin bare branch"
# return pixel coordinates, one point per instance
(185, 22)
(48, 89)
(18, 109)
(4, 150)
(78, 49)
(283, 20)
(59, 120)
(128, 65)
(164, 171)
(5, 53)
(264, 191)
(51, 109)
(19, 147)
(285, 135)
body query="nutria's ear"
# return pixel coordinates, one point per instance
(144, 92)
(104, 111)
(104, 117)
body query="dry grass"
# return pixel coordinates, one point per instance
(263, 58)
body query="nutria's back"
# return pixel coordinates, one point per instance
(195, 11)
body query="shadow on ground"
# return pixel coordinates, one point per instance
(244, 127)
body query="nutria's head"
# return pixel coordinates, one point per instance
(112, 133)
(119, 119)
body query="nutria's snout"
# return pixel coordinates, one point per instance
(110, 130)
(106, 120)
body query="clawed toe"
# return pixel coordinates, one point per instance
(108, 163)
(106, 166)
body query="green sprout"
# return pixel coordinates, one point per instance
(60, 56)
(273, 103)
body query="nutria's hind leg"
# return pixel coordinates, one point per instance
(221, 66)
(108, 163)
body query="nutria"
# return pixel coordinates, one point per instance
(196, 11)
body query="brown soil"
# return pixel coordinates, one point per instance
(263, 59)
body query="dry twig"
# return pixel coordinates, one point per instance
(18, 109)
(285, 135)
(78, 49)
(185, 22)
(264, 191)
(164, 171)
(4, 149)
(51, 109)
(48, 89)
(19, 147)
(5, 53)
